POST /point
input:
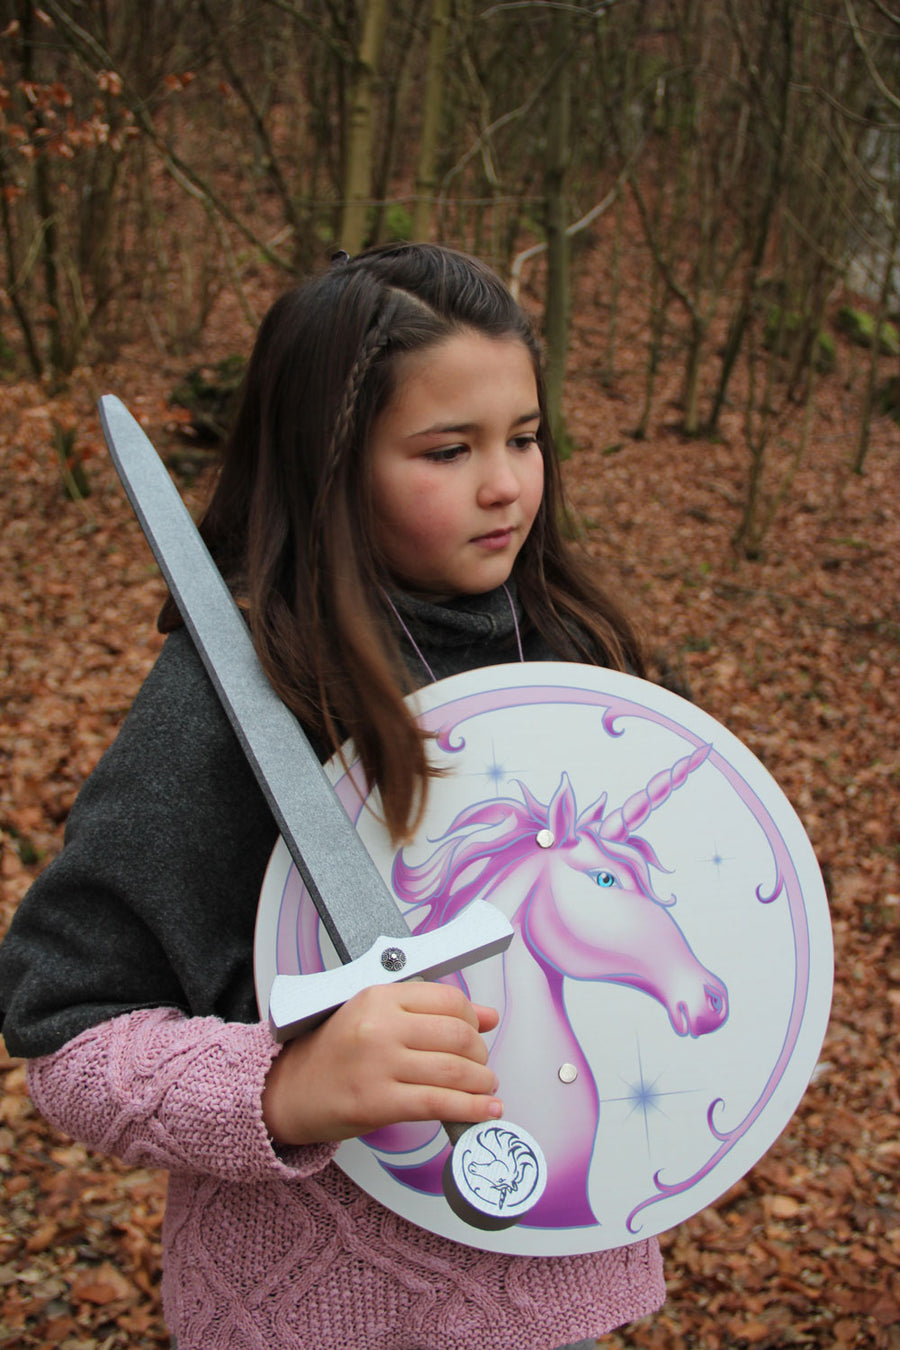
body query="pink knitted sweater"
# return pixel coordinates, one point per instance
(267, 1250)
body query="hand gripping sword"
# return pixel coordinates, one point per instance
(364, 922)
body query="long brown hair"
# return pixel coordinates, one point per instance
(290, 523)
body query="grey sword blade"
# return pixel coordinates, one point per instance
(355, 905)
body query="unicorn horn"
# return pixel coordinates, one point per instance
(622, 822)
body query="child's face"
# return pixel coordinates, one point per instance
(457, 473)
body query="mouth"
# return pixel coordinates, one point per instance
(495, 539)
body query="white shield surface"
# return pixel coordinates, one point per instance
(666, 994)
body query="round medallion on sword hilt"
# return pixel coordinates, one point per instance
(496, 1174)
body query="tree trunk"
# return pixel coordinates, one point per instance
(609, 365)
(865, 421)
(13, 285)
(659, 311)
(47, 230)
(556, 315)
(690, 391)
(766, 220)
(361, 129)
(432, 109)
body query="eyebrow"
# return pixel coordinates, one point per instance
(463, 428)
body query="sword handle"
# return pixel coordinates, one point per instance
(496, 1171)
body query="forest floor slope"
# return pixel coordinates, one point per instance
(797, 653)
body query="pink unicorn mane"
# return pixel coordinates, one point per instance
(487, 842)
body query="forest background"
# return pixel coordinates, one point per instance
(698, 202)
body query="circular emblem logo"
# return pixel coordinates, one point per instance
(498, 1170)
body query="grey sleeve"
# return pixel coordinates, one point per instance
(152, 900)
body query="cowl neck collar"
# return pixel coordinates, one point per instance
(456, 623)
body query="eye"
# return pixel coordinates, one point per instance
(525, 441)
(445, 455)
(604, 880)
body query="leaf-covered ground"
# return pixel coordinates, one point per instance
(797, 653)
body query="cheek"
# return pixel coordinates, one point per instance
(395, 502)
(570, 931)
(580, 907)
(425, 506)
(413, 523)
(533, 488)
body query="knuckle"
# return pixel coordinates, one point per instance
(455, 1072)
(457, 1037)
(451, 1000)
(377, 998)
(433, 1103)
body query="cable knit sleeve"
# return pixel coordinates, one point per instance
(159, 1089)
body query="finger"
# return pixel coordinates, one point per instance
(434, 997)
(488, 1018)
(421, 1087)
(428, 996)
(447, 1035)
(448, 1071)
(445, 1104)
(439, 999)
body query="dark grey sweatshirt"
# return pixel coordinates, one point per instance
(152, 900)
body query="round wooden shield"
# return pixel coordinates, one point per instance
(665, 996)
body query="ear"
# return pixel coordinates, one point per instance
(562, 815)
(592, 815)
(536, 810)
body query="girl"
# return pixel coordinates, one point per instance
(387, 514)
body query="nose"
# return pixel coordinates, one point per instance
(499, 483)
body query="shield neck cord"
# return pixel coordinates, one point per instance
(417, 649)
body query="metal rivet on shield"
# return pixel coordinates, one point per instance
(567, 1073)
(544, 839)
(393, 959)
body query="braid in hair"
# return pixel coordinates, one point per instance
(374, 342)
(341, 440)
(324, 672)
(372, 345)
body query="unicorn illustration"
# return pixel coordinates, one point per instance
(503, 1164)
(577, 889)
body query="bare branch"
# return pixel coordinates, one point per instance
(592, 12)
(272, 164)
(866, 53)
(95, 57)
(338, 49)
(482, 144)
(886, 13)
(587, 219)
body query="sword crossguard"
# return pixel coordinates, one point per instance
(297, 1003)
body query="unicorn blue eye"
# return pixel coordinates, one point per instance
(604, 879)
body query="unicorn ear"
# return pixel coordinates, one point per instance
(537, 810)
(562, 815)
(592, 815)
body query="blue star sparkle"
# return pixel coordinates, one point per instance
(645, 1097)
(718, 859)
(495, 772)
